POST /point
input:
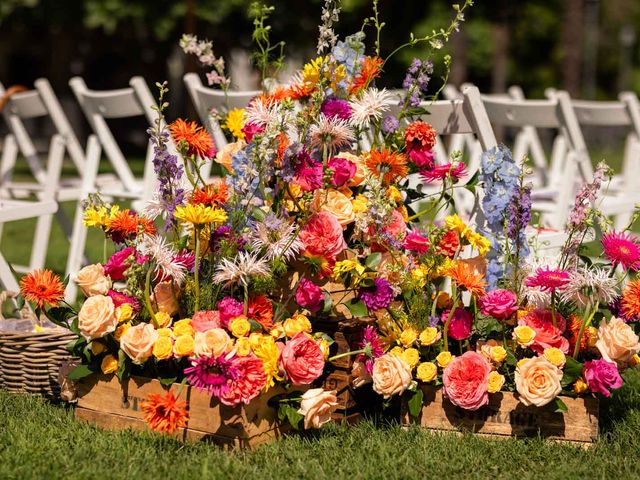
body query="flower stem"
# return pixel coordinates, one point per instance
(584, 325)
(147, 295)
(196, 272)
(445, 333)
(553, 309)
(246, 301)
(346, 354)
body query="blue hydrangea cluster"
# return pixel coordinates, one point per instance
(350, 53)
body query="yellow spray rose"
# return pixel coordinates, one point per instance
(396, 351)
(183, 327)
(163, 348)
(243, 346)
(109, 364)
(120, 331)
(408, 336)
(524, 335)
(277, 331)
(184, 345)
(444, 359)
(498, 354)
(427, 372)
(296, 324)
(555, 356)
(429, 336)
(162, 319)
(580, 386)
(124, 312)
(411, 356)
(240, 326)
(165, 332)
(97, 347)
(495, 382)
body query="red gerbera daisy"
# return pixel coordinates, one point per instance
(547, 279)
(127, 224)
(622, 249)
(455, 171)
(164, 413)
(197, 139)
(42, 287)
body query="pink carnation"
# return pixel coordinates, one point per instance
(322, 235)
(461, 323)
(416, 242)
(118, 263)
(343, 170)
(229, 308)
(309, 176)
(206, 320)
(500, 304)
(466, 379)
(602, 376)
(302, 359)
(547, 335)
(309, 295)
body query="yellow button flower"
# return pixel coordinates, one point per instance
(109, 364)
(411, 356)
(444, 359)
(240, 326)
(495, 382)
(427, 372)
(524, 335)
(555, 356)
(429, 336)
(163, 348)
(184, 345)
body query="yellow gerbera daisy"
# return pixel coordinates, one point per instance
(235, 122)
(200, 215)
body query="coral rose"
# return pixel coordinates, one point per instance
(206, 320)
(213, 342)
(466, 380)
(538, 381)
(302, 359)
(97, 317)
(617, 341)
(92, 280)
(322, 235)
(546, 334)
(500, 304)
(317, 406)
(138, 341)
(602, 376)
(391, 375)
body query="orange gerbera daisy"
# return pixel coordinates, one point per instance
(197, 139)
(42, 287)
(371, 68)
(301, 90)
(631, 300)
(393, 165)
(466, 277)
(164, 413)
(283, 144)
(213, 195)
(127, 224)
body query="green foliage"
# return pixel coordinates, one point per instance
(266, 56)
(415, 403)
(357, 308)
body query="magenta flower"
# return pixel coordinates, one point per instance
(229, 308)
(422, 158)
(343, 170)
(602, 376)
(373, 348)
(336, 107)
(622, 249)
(119, 263)
(547, 279)
(500, 304)
(119, 298)
(309, 295)
(461, 323)
(251, 129)
(416, 242)
(309, 176)
(378, 296)
(455, 171)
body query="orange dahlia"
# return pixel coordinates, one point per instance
(127, 224)
(420, 135)
(466, 277)
(371, 68)
(631, 300)
(42, 287)
(261, 310)
(392, 165)
(197, 139)
(164, 413)
(213, 195)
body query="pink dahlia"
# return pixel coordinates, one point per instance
(622, 249)
(547, 279)
(416, 242)
(455, 171)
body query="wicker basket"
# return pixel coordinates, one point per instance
(30, 362)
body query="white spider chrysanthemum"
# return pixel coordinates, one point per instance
(260, 114)
(281, 241)
(164, 258)
(371, 105)
(536, 297)
(239, 269)
(153, 208)
(331, 131)
(589, 285)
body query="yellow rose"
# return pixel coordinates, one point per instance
(524, 335)
(538, 382)
(336, 203)
(120, 331)
(97, 347)
(427, 372)
(429, 336)
(109, 364)
(213, 342)
(324, 347)
(163, 348)
(555, 356)
(495, 382)
(411, 356)
(124, 312)
(522, 362)
(162, 319)
(391, 375)
(165, 332)
(184, 345)
(92, 280)
(256, 338)
(498, 354)
(396, 351)
(166, 298)
(580, 386)
(97, 317)
(243, 346)
(408, 336)
(359, 204)
(444, 359)
(617, 341)
(137, 342)
(183, 327)
(240, 326)
(296, 324)
(277, 331)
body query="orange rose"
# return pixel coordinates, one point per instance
(391, 375)
(97, 317)
(334, 202)
(225, 156)
(317, 406)
(538, 381)
(137, 342)
(92, 280)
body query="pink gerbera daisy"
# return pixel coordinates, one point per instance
(622, 249)
(548, 279)
(455, 171)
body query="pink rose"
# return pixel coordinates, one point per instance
(229, 308)
(118, 263)
(120, 298)
(250, 129)
(343, 170)
(416, 242)
(206, 320)
(602, 376)
(547, 335)
(500, 304)
(461, 323)
(302, 359)
(422, 158)
(322, 235)
(309, 295)
(398, 227)
(466, 380)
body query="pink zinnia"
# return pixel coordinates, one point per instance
(547, 279)
(373, 348)
(455, 171)
(622, 249)
(416, 242)
(229, 308)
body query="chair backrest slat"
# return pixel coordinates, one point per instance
(508, 112)
(27, 105)
(602, 114)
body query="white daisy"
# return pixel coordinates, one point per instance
(371, 105)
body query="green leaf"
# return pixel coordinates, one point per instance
(373, 260)
(473, 182)
(122, 364)
(561, 407)
(60, 316)
(328, 303)
(81, 371)
(511, 359)
(415, 403)
(166, 381)
(358, 308)
(255, 326)
(294, 417)
(572, 371)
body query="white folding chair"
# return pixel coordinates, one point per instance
(42, 209)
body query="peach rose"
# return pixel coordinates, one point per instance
(538, 381)
(617, 342)
(97, 317)
(336, 203)
(92, 280)
(137, 342)
(212, 343)
(359, 374)
(317, 406)
(391, 375)
(166, 298)
(225, 156)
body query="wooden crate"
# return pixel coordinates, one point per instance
(505, 416)
(104, 401)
